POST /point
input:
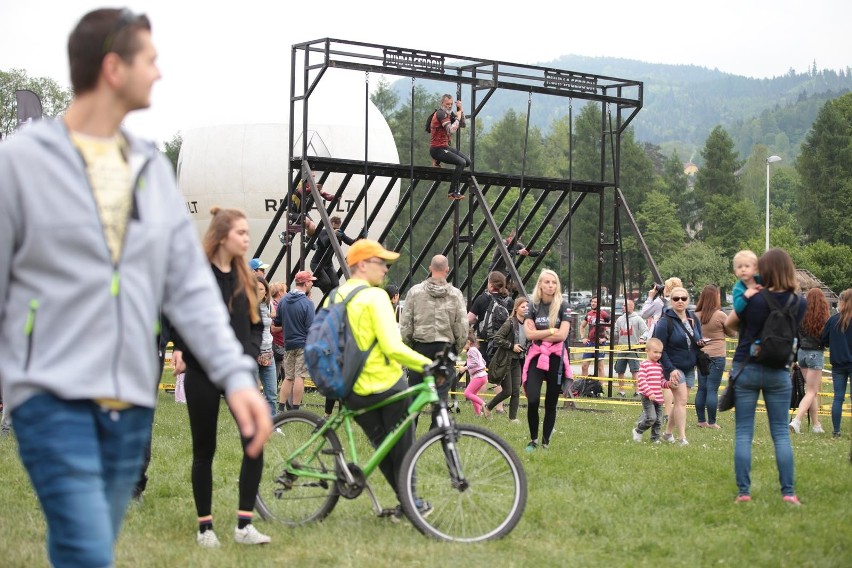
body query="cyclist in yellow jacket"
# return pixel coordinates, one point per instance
(371, 318)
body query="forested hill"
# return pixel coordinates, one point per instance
(684, 102)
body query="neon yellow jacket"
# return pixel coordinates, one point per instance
(371, 317)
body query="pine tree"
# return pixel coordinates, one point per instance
(718, 175)
(825, 167)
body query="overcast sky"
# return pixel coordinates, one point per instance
(214, 54)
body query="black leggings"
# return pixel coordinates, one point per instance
(377, 423)
(327, 279)
(202, 402)
(511, 389)
(535, 378)
(450, 155)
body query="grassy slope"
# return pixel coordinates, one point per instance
(596, 499)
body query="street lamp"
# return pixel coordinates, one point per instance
(769, 160)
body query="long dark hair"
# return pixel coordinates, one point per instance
(816, 313)
(777, 271)
(220, 225)
(708, 303)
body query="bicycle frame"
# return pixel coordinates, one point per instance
(424, 393)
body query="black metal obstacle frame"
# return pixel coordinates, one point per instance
(472, 219)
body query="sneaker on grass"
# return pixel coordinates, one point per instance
(637, 437)
(250, 535)
(207, 539)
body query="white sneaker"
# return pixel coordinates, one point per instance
(207, 539)
(250, 535)
(668, 438)
(637, 437)
(684, 442)
(817, 429)
(796, 426)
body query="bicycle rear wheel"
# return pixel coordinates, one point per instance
(488, 507)
(288, 498)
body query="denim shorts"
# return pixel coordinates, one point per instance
(688, 378)
(811, 359)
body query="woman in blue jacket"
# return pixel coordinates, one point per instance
(680, 331)
(837, 334)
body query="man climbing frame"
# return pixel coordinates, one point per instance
(443, 123)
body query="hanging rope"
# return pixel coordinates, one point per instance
(411, 190)
(570, 191)
(521, 188)
(366, 136)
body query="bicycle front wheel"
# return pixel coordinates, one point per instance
(291, 498)
(487, 505)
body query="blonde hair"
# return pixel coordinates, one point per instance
(655, 343)
(745, 254)
(556, 303)
(672, 283)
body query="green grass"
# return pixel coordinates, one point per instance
(596, 498)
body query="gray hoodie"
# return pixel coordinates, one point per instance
(76, 325)
(434, 311)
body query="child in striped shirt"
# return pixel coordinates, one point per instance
(650, 385)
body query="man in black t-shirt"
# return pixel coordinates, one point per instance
(496, 291)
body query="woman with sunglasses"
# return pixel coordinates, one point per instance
(680, 331)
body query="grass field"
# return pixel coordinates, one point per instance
(596, 498)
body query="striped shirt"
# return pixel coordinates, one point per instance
(650, 380)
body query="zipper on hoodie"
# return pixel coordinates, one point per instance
(114, 291)
(137, 183)
(29, 329)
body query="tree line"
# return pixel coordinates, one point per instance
(692, 225)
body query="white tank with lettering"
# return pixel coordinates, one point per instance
(245, 165)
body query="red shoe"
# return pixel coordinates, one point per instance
(327, 196)
(743, 498)
(436, 164)
(791, 499)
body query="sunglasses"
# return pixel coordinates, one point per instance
(679, 298)
(125, 18)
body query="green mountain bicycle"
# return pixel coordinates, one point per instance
(471, 477)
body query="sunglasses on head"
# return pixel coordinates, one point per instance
(125, 18)
(679, 298)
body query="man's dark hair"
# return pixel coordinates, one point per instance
(392, 290)
(100, 32)
(335, 221)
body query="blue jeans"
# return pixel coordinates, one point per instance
(652, 412)
(707, 396)
(83, 462)
(777, 389)
(840, 378)
(269, 380)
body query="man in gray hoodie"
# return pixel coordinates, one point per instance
(94, 241)
(434, 314)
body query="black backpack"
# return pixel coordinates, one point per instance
(429, 121)
(428, 128)
(777, 342)
(495, 316)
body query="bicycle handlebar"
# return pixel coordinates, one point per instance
(443, 366)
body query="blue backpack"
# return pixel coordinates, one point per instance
(332, 356)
